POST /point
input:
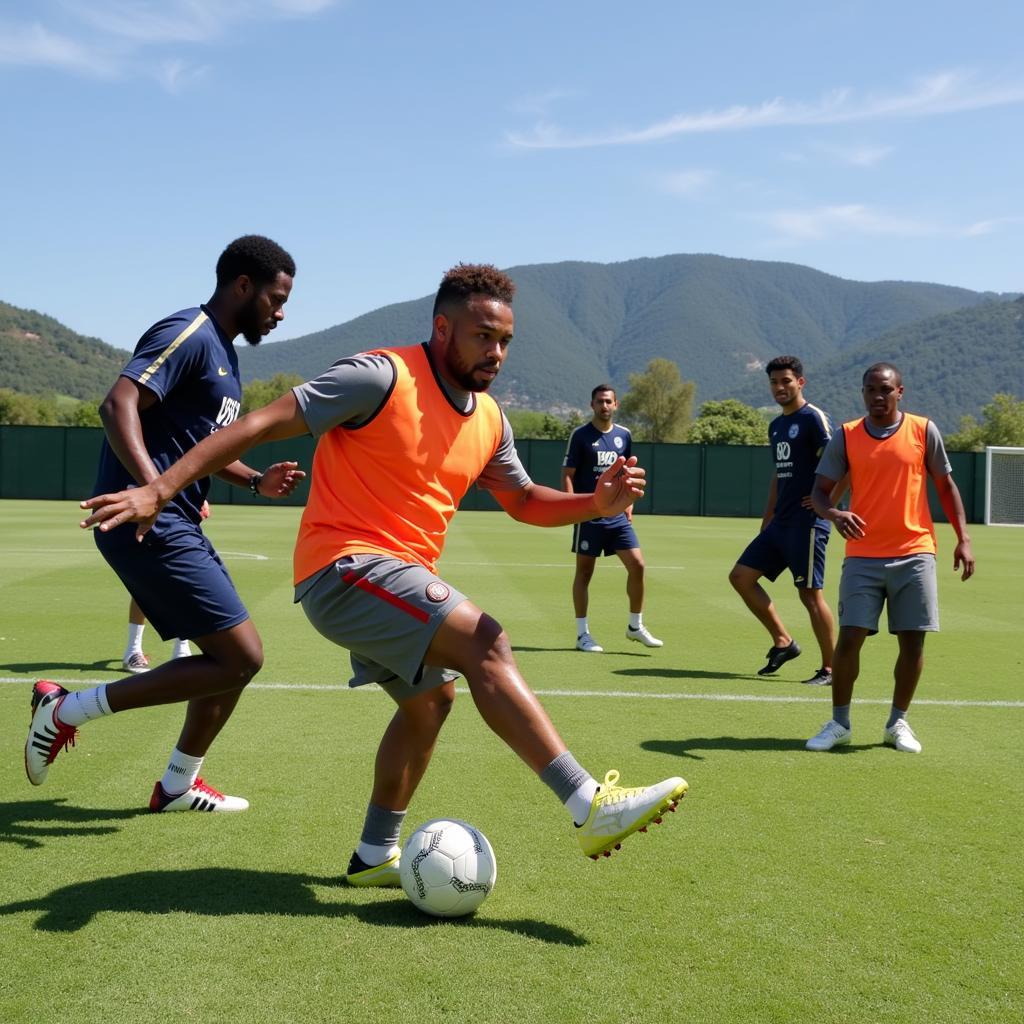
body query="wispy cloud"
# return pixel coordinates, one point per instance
(858, 156)
(822, 222)
(944, 93)
(686, 183)
(109, 37)
(36, 46)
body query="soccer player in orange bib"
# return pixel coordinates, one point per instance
(890, 545)
(402, 435)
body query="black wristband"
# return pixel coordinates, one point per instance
(254, 483)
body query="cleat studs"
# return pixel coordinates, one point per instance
(593, 856)
(644, 829)
(618, 846)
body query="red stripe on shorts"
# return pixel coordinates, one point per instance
(385, 595)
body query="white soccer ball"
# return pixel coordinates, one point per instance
(448, 868)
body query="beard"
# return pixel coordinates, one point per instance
(463, 375)
(249, 324)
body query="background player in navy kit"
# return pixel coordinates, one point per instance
(792, 536)
(592, 448)
(181, 385)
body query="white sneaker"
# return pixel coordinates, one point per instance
(618, 812)
(832, 735)
(136, 662)
(901, 736)
(585, 642)
(200, 797)
(643, 636)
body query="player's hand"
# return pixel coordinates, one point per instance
(204, 510)
(135, 505)
(963, 556)
(849, 524)
(280, 479)
(619, 486)
(807, 503)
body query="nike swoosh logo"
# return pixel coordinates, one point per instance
(221, 372)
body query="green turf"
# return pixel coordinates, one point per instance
(863, 885)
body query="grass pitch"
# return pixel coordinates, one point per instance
(861, 885)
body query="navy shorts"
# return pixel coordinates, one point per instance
(801, 549)
(176, 577)
(604, 537)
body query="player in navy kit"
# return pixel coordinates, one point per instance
(792, 535)
(592, 448)
(181, 385)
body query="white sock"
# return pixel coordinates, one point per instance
(181, 649)
(580, 802)
(582, 626)
(371, 856)
(182, 772)
(134, 640)
(84, 705)
(636, 620)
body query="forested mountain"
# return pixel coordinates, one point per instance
(951, 365)
(39, 355)
(579, 324)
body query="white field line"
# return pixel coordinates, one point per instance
(741, 698)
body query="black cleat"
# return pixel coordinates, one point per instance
(823, 677)
(778, 656)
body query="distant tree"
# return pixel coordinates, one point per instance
(528, 423)
(258, 393)
(659, 403)
(728, 421)
(84, 414)
(1002, 423)
(36, 410)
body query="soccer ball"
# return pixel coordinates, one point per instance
(448, 868)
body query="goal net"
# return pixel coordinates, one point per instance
(1004, 486)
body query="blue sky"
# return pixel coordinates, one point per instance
(383, 142)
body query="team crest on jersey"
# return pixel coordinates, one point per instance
(794, 429)
(618, 442)
(437, 591)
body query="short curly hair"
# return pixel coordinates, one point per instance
(256, 257)
(785, 363)
(467, 279)
(882, 368)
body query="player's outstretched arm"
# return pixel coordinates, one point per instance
(618, 487)
(274, 422)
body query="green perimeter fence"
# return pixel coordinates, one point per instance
(683, 479)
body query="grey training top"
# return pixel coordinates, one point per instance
(834, 464)
(352, 391)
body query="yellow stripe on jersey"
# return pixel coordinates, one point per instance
(163, 357)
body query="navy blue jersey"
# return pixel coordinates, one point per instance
(797, 441)
(590, 452)
(188, 362)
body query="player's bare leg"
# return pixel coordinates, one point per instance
(822, 622)
(581, 584)
(745, 581)
(633, 560)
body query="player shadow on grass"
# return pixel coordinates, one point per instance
(27, 822)
(216, 892)
(772, 744)
(34, 668)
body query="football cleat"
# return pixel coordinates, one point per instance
(362, 875)
(618, 812)
(585, 642)
(901, 736)
(643, 635)
(778, 656)
(823, 677)
(200, 797)
(832, 735)
(136, 662)
(47, 734)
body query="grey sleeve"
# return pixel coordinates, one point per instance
(350, 392)
(504, 472)
(833, 464)
(935, 457)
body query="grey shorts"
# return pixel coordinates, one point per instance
(385, 612)
(905, 585)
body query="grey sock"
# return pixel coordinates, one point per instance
(382, 826)
(894, 715)
(564, 776)
(842, 715)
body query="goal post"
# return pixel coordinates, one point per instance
(1004, 486)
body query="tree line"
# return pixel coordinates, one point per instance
(658, 407)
